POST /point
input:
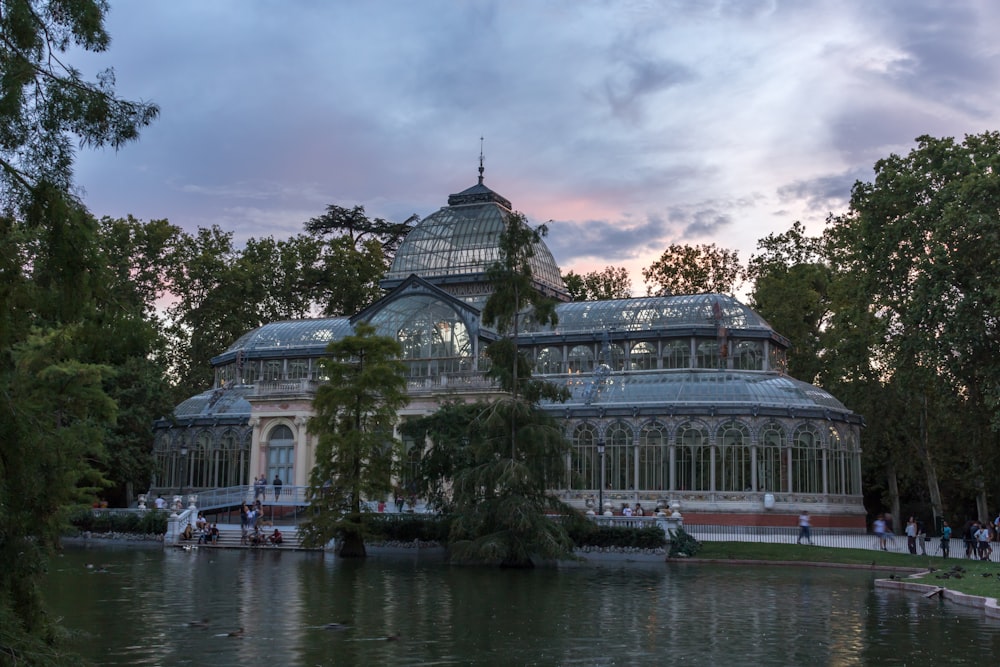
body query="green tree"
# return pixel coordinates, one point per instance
(791, 282)
(922, 242)
(354, 416)
(221, 292)
(502, 507)
(613, 282)
(208, 312)
(686, 269)
(126, 333)
(358, 251)
(55, 411)
(511, 452)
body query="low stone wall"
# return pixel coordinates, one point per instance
(88, 536)
(988, 605)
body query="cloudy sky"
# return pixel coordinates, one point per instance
(630, 125)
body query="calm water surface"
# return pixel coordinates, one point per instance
(133, 606)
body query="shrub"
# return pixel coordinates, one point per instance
(682, 544)
(394, 528)
(589, 534)
(98, 521)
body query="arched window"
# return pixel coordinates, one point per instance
(707, 354)
(615, 357)
(434, 336)
(807, 463)
(581, 359)
(411, 467)
(770, 458)
(838, 464)
(748, 355)
(298, 369)
(199, 465)
(250, 371)
(854, 464)
(230, 462)
(281, 454)
(654, 460)
(620, 459)
(163, 449)
(548, 361)
(642, 357)
(585, 472)
(272, 370)
(677, 354)
(732, 463)
(693, 458)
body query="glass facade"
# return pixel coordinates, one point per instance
(688, 394)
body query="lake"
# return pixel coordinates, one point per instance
(132, 606)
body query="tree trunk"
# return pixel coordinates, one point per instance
(893, 487)
(982, 509)
(930, 469)
(351, 546)
(351, 543)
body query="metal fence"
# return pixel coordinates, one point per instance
(827, 537)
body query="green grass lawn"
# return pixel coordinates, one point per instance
(978, 578)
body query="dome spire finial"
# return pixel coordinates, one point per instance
(480, 160)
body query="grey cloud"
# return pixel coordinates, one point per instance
(943, 61)
(704, 223)
(865, 133)
(824, 193)
(626, 92)
(613, 241)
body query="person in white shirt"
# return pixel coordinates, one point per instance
(626, 511)
(160, 503)
(804, 528)
(983, 538)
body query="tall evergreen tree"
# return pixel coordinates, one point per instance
(512, 451)
(354, 416)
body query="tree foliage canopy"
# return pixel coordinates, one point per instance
(613, 282)
(354, 414)
(493, 464)
(46, 103)
(920, 244)
(358, 252)
(56, 410)
(687, 269)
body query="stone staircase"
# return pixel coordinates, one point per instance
(230, 537)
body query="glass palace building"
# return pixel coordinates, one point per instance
(673, 398)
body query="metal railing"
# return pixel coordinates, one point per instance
(825, 537)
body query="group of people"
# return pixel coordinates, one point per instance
(977, 536)
(628, 511)
(208, 533)
(916, 536)
(260, 487)
(250, 520)
(258, 539)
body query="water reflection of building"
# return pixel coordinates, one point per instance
(673, 398)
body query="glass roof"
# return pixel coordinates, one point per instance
(293, 333)
(654, 312)
(692, 387)
(229, 402)
(461, 240)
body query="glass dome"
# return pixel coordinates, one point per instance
(655, 312)
(460, 241)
